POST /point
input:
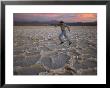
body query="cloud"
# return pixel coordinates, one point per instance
(82, 17)
(67, 17)
(88, 17)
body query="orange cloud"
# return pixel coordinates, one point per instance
(88, 15)
(82, 17)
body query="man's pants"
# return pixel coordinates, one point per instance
(63, 33)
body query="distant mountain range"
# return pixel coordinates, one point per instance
(54, 22)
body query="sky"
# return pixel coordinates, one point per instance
(66, 17)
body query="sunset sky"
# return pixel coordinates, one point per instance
(66, 17)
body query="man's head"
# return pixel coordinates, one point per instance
(61, 22)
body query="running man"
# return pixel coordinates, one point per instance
(63, 32)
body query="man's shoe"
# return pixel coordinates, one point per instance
(61, 42)
(70, 43)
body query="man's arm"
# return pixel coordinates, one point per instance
(68, 28)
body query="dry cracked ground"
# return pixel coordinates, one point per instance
(37, 51)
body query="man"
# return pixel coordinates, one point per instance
(63, 32)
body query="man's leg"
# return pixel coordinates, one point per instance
(67, 37)
(61, 38)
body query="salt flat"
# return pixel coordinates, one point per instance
(37, 51)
